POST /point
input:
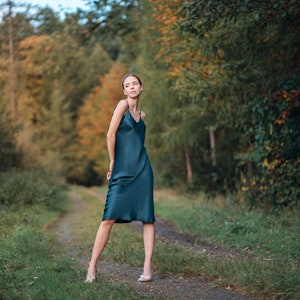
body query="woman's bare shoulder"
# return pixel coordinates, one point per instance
(123, 103)
(122, 106)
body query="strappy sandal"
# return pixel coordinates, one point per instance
(144, 278)
(91, 278)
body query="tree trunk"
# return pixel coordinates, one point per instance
(212, 140)
(13, 101)
(188, 165)
(250, 170)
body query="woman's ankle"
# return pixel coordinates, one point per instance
(92, 265)
(147, 271)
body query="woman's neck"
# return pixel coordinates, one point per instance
(133, 104)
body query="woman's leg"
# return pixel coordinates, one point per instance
(149, 237)
(101, 240)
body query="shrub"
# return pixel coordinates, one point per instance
(26, 188)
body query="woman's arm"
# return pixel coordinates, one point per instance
(119, 112)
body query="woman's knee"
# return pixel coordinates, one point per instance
(108, 223)
(148, 225)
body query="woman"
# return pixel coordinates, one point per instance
(130, 192)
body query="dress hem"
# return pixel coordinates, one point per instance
(120, 221)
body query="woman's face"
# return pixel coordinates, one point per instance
(132, 87)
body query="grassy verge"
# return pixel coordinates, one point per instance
(233, 226)
(271, 268)
(34, 266)
(266, 272)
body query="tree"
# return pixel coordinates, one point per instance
(94, 118)
(257, 47)
(12, 22)
(47, 21)
(56, 75)
(116, 24)
(189, 123)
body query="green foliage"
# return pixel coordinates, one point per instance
(116, 23)
(47, 21)
(249, 85)
(160, 104)
(275, 152)
(201, 17)
(27, 188)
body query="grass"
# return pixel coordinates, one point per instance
(34, 266)
(271, 268)
(33, 269)
(233, 226)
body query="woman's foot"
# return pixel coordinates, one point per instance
(91, 275)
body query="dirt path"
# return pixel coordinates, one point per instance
(164, 286)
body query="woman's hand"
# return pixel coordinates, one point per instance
(111, 166)
(108, 175)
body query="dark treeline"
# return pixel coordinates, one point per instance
(221, 92)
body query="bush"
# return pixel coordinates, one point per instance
(26, 188)
(275, 153)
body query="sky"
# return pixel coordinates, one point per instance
(69, 5)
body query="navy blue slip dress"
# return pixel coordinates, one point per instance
(130, 190)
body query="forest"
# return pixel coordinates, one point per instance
(221, 93)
